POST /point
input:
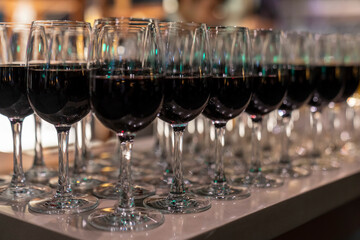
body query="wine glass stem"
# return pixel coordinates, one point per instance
(286, 131)
(38, 158)
(219, 178)
(255, 164)
(18, 179)
(63, 188)
(126, 198)
(78, 161)
(316, 126)
(177, 186)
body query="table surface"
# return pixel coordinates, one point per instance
(267, 213)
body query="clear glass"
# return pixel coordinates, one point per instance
(134, 64)
(269, 72)
(39, 173)
(58, 50)
(187, 62)
(15, 106)
(231, 73)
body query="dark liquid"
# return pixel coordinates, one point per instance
(60, 96)
(300, 88)
(269, 91)
(228, 97)
(125, 104)
(350, 75)
(13, 97)
(184, 99)
(328, 85)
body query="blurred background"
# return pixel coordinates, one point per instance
(313, 15)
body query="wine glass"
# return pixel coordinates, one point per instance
(126, 96)
(15, 105)
(110, 190)
(186, 94)
(325, 72)
(39, 173)
(270, 79)
(299, 92)
(230, 93)
(58, 90)
(349, 74)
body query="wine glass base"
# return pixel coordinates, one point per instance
(259, 181)
(177, 203)
(63, 205)
(223, 192)
(292, 172)
(109, 191)
(136, 219)
(22, 194)
(325, 166)
(81, 182)
(40, 174)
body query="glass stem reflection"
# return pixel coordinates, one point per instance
(124, 185)
(177, 186)
(219, 178)
(63, 188)
(38, 158)
(286, 131)
(255, 164)
(18, 180)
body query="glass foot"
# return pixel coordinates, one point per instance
(109, 191)
(259, 180)
(63, 205)
(325, 166)
(222, 191)
(177, 203)
(40, 174)
(137, 219)
(22, 194)
(81, 183)
(292, 172)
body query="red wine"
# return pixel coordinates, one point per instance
(184, 99)
(350, 75)
(328, 85)
(229, 96)
(300, 88)
(269, 90)
(14, 102)
(125, 104)
(59, 95)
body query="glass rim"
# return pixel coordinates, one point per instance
(60, 23)
(124, 18)
(15, 24)
(223, 27)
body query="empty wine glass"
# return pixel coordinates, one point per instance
(58, 90)
(186, 94)
(14, 104)
(126, 96)
(230, 93)
(270, 78)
